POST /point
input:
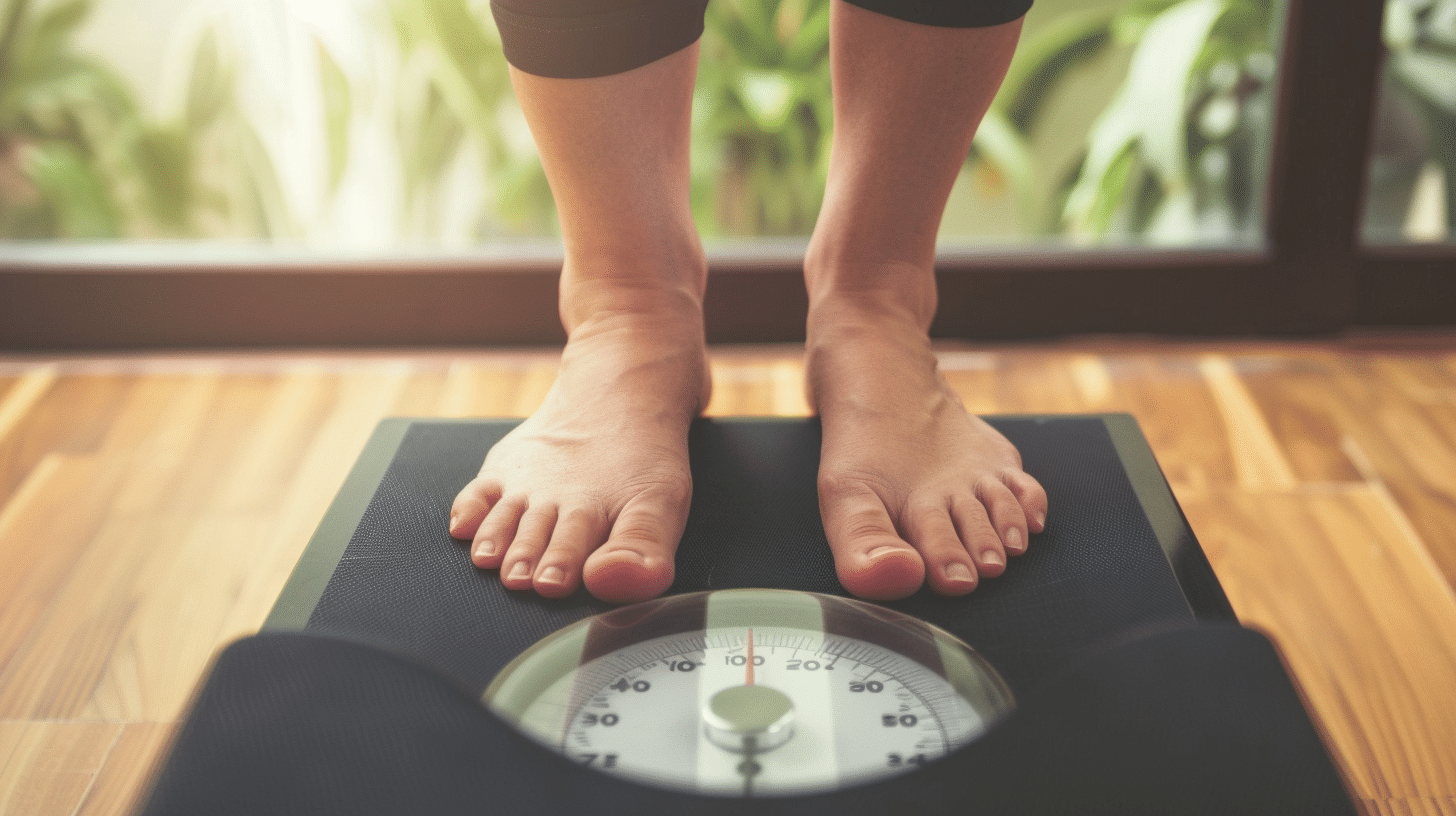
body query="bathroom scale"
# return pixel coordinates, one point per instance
(1104, 672)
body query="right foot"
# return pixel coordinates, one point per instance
(594, 487)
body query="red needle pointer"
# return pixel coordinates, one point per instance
(748, 681)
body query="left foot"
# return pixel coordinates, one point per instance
(913, 489)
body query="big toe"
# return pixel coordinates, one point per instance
(637, 561)
(627, 572)
(883, 571)
(870, 557)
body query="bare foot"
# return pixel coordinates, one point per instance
(595, 486)
(912, 488)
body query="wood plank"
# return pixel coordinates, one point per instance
(179, 421)
(1303, 411)
(254, 479)
(43, 532)
(50, 766)
(1259, 461)
(71, 416)
(183, 602)
(19, 396)
(1409, 447)
(1170, 397)
(473, 389)
(54, 673)
(423, 394)
(127, 769)
(1421, 806)
(748, 386)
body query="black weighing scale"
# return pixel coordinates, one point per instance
(1134, 688)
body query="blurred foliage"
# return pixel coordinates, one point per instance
(1180, 151)
(762, 114)
(235, 191)
(1418, 122)
(77, 160)
(455, 95)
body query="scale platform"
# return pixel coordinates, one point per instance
(1138, 692)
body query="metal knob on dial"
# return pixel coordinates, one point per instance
(749, 719)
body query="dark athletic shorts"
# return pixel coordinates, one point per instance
(589, 38)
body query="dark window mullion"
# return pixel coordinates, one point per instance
(1329, 74)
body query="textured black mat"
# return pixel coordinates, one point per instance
(1096, 572)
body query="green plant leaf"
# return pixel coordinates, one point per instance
(1042, 61)
(268, 205)
(75, 190)
(210, 85)
(809, 48)
(1421, 82)
(338, 111)
(45, 36)
(1430, 76)
(1149, 112)
(163, 158)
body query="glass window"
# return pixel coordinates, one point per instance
(390, 125)
(1127, 121)
(1411, 194)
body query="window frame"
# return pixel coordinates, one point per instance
(1311, 275)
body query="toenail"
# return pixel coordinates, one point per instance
(1041, 521)
(1013, 540)
(958, 573)
(879, 551)
(553, 575)
(520, 571)
(991, 558)
(485, 549)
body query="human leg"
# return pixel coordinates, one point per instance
(594, 487)
(912, 488)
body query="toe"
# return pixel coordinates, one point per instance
(870, 557)
(979, 537)
(636, 562)
(471, 506)
(1006, 514)
(1030, 495)
(526, 548)
(577, 533)
(948, 567)
(496, 532)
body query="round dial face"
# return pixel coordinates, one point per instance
(751, 693)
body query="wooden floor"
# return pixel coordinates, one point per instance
(151, 508)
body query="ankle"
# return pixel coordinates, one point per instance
(875, 315)
(615, 288)
(842, 287)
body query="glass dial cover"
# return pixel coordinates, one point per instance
(751, 692)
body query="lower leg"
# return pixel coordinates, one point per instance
(912, 488)
(594, 487)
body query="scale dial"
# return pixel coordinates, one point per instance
(751, 692)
